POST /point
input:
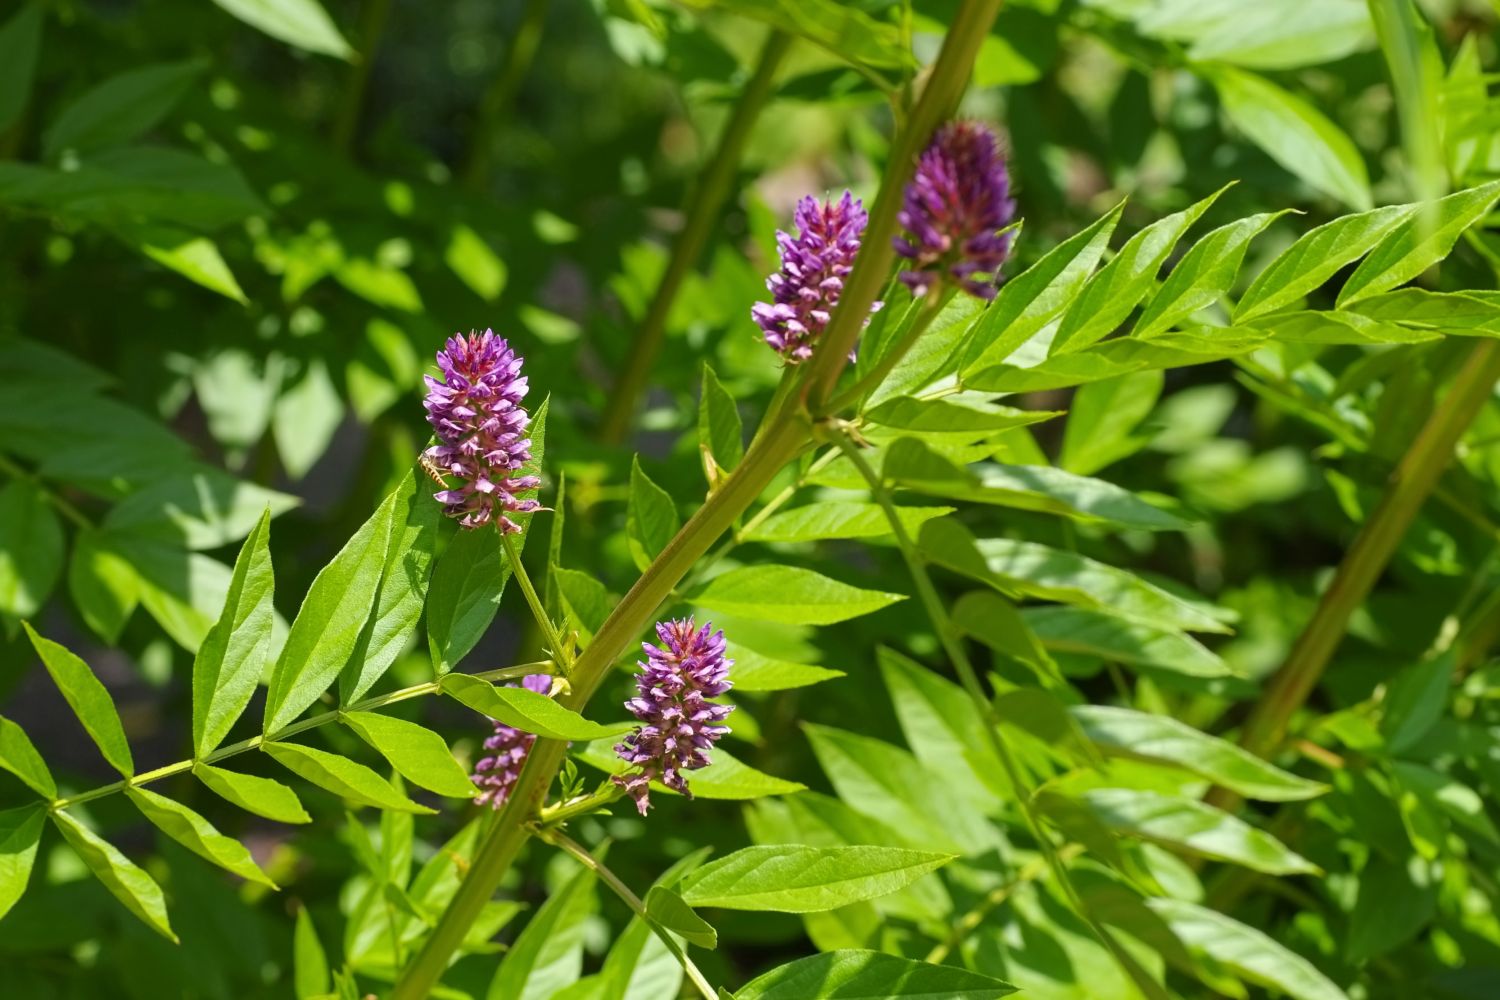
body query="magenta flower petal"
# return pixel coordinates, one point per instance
(496, 774)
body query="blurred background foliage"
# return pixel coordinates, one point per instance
(228, 255)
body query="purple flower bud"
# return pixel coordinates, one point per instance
(679, 724)
(476, 412)
(955, 207)
(496, 774)
(814, 264)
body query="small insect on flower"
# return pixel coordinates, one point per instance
(814, 264)
(956, 206)
(496, 774)
(679, 724)
(475, 410)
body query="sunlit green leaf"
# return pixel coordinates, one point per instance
(795, 879)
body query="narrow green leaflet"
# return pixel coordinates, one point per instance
(232, 658)
(1249, 952)
(88, 699)
(953, 415)
(103, 584)
(261, 796)
(548, 954)
(31, 549)
(19, 756)
(669, 910)
(1419, 241)
(1124, 732)
(651, 517)
(991, 619)
(1115, 640)
(1102, 421)
(20, 43)
(1414, 700)
(754, 671)
(196, 834)
(332, 618)
(1204, 275)
(838, 519)
(475, 263)
(720, 430)
(1122, 283)
(20, 833)
(342, 776)
(788, 594)
(120, 108)
(122, 877)
(1294, 134)
(419, 755)
(303, 23)
(1193, 827)
(310, 978)
(791, 878)
(847, 32)
(196, 258)
(726, 778)
(866, 975)
(526, 710)
(941, 725)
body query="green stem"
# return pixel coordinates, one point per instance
(561, 840)
(561, 653)
(930, 306)
(561, 813)
(301, 726)
(1410, 484)
(701, 216)
(373, 16)
(993, 901)
(520, 50)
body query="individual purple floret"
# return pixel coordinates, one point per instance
(955, 207)
(814, 264)
(496, 774)
(679, 724)
(476, 411)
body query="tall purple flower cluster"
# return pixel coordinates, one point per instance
(496, 774)
(679, 724)
(813, 266)
(955, 207)
(475, 410)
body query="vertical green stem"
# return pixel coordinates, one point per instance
(373, 17)
(558, 651)
(701, 216)
(520, 50)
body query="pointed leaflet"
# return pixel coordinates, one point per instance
(838, 519)
(403, 588)
(1203, 275)
(89, 700)
(419, 755)
(788, 594)
(123, 878)
(651, 517)
(754, 671)
(20, 42)
(1422, 239)
(525, 710)
(31, 549)
(20, 832)
(1099, 633)
(1249, 952)
(102, 583)
(197, 834)
(548, 954)
(726, 778)
(303, 23)
(261, 796)
(852, 974)
(19, 756)
(720, 430)
(1102, 421)
(310, 977)
(199, 509)
(343, 777)
(668, 909)
(120, 108)
(331, 621)
(791, 878)
(232, 658)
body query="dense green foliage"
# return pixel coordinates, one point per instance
(1131, 635)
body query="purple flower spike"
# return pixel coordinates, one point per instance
(955, 207)
(814, 264)
(496, 774)
(476, 411)
(679, 724)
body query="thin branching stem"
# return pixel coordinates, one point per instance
(559, 651)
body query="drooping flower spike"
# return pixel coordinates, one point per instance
(814, 264)
(679, 724)
(496, 774)
(475, 410)
(955, 207)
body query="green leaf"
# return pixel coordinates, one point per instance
(867, 975)
(19, 756)
(419, 755)
(103, 584)
(1190, 826)
(343, 777)
(941, 725)
(331, 621)
(1249, 952)
(720, 430)
(1414, 700)
(88, 699)
(788, 594)
(1416, 70)
(476, 265)
(1038, 295)
(847, 32)
(232, 658)
(20, 833)
(20, 44)
(1395, 900)
(1129, 277)
(526, 710)
(1422, 239)
(305, 416)
(670, 911)
(724, 779)
(1123, 732)
(1294, 134)
(996, 622)
(303, 23)
(1115, 640)
(939, 416)
(838, 519)
(31, 549)
(754, 671)
(310, 978)
(1204, 275)
(261, 796)
(203, 509)
(791, 878)
(125, 881)
(195, 257)
(197, 834)
(651, 517)
(120, 108)
(548, 954)
(1285, 34)
(584, 599)
(1103, 418)
(1315, 257)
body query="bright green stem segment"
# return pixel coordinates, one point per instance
(520, 50)
(701, 216)
(1414, 478)
(560, 653)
